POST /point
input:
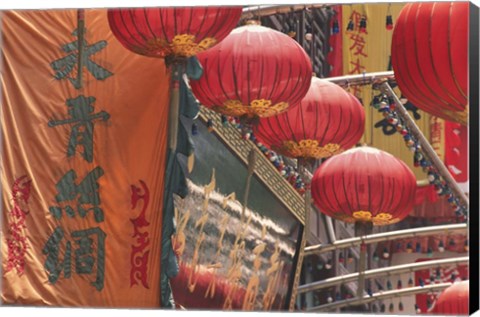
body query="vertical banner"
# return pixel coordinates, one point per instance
(367, 49)
(456, 153)
(335, 56)
(83, 159)
(450, 142)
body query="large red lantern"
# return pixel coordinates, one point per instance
(453, 300)
(255, 71)
(430, 57)
(364, 184)
(185, 31)
(328, 121)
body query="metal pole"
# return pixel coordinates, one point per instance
(386, 236)
(362, 229)
(426, 147)
(265, 10)
(382, 272)
(177, 67)
(362, 79)
(380, 296)
(330, 229)
(250, 169)
(302, 164)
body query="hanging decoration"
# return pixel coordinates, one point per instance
(418, 247)
(292, 26)
(410, 282)
(350, 256)
(365, 186)
(441, 246)
(308, 22)
(391, 308)
(377, 187)
(382, 308)
(327, 121)
(350, 25)
(409, 247)
(363, 24)
(453, 300)
(430, 57)
(389, 19)
(174, 31)
(417, 309)
(328, 265)
(244, 79)
(335, 27)
(386, 254)
(421, 282)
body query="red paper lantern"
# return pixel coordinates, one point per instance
(430, 57)
(255, 71)
(159, 32)
(364, 184)
(453, 300)
(328, 121)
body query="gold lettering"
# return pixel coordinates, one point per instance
(200, 223)
(179, 238)
(273, 273)
(217, 265)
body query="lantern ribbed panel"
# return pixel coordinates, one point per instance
(153, 31)
(327, 114)
(364, 180)
(252, 65)
(453, 300)
(430, 57)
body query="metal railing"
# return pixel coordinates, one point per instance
(380, 296)
(387, 236)
(382, 272)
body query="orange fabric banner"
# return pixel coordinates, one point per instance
(83, 161)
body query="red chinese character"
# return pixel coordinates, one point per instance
(358, 45)
(358, 68)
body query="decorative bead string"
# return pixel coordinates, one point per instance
(386, 106)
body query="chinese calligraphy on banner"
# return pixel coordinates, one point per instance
(84, 210)
(230, 260)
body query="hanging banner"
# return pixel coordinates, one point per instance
(367, 49)
(456, 153)
(83, 159)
